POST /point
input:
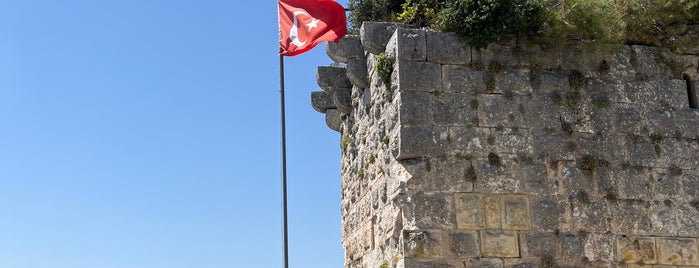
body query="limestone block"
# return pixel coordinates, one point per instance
(419, 76)
(422, 244)
(479, 262)
(464, 244)
(422, 141)
(349, 47)
(688, 220)
(539, 244)
(432, 211)
(342, 97)
(469, 211)
(357, 73)
(468, 141)
(516, 212)
(677, 251)
(454, 109)
(375, 35)
(515, 81)
(500, 52)
(446, 174)
(493, 211)
(502, 244)
(630, 218)
(513, 144)
(663, 220)
(658, 93)
(331, 78)
(499, 111)
(333, 119)
(572, 247)
(447, 48)
(415, 263)
(321, 101)
(414, 108)
(407, 44)
(633, 249)
(458, 78)
(652, 62)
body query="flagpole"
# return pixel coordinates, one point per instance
(284, 206)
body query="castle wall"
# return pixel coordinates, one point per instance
(514, 155)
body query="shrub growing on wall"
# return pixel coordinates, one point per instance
(596, 22)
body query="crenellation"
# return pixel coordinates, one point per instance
(515, 155)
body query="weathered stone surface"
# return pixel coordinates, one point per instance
(357, 73)
(516, 215)
(331, 78)
(632, 249)
(464, 244)
(421, 141)
(375, 35)
(333, 119)
(447, 48)
(458, 78)
(321, 101)
(499, 244)
(407, 44)
(678, 251)
(591, 162)
(422, 244)
(469, 211)
(419, 76)
(349, 47)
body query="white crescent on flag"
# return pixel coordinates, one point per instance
(294, 31)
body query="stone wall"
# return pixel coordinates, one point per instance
(514, 155)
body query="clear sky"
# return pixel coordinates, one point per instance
(146, 134)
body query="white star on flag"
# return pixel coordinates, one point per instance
(313, 24)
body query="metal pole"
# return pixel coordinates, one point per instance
(283, 119)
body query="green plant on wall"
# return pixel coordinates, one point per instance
(594, 22)
(384, 67)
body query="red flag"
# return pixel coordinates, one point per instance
(305, 23)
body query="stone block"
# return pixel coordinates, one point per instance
(415, 263)
(453, 109)
(469, 211)
(516, 212)
(331, 78)
(447, 48)
(458, 78)
(375, 35)
(415, 108)
(468, 141)
(358, 73)
(333, 119)
(321, 101)
(342, 97)
(513, 144)
(652, 62)
(407, 44)
(540, 245)
(499, 111)
(677, 251)
(464, 244)
(572, 247)
(630, 218)
(446, 174)
(422, 141)
(633, 249)
(501, 244)
(422, 244)
(419, 76)
(500, 52)
(432, 211)
(480, 262)
(349, 47)
(493, 211)
(664, 94)
(552, 82)
(515, 81)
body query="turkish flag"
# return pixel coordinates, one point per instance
(305, 23)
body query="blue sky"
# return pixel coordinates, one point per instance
(146, 134)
